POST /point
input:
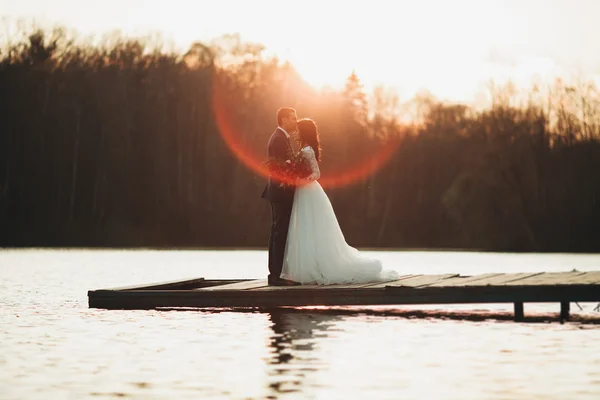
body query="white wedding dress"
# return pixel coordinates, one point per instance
(316, 251)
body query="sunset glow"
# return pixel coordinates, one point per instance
(451, 49)
(232, 136)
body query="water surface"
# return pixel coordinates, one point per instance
(53, 346)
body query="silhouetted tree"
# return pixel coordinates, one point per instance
(127, 144)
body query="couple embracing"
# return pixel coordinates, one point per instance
(306, 244)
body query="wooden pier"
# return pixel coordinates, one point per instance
(516, 288)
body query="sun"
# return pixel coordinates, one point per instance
(318, 69)
(440, 46)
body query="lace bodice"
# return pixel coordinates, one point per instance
(309, 154)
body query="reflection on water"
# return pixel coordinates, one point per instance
(52, 346)
(294, 338)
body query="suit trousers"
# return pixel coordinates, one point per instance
(281, 212)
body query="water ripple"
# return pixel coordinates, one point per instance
(53, 346)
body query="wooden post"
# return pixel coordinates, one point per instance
(565, 307)
(519, 314)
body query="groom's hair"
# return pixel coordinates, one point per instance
(284, 112)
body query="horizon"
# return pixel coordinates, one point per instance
(460, 51)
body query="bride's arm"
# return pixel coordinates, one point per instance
(309, 154)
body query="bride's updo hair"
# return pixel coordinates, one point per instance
(308, 134)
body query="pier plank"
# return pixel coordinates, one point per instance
(335, 286)
(465, 280)
(247, 285)
(415, 281)
(169, 285)
(548, 278)
(287, 288)
(587, 278)
(503, 279)
(361, 285)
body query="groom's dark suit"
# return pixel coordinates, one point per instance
(281, 197)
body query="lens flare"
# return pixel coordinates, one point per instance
(257, 162)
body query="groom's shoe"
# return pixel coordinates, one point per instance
(282, 282)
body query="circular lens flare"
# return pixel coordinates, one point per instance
(257, 162)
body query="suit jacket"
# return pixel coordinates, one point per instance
(280, 148)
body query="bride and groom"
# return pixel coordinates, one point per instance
(306, 244)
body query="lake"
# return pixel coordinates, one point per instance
(53, 346)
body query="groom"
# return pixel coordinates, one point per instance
(280, 195)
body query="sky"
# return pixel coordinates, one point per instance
(451, 48)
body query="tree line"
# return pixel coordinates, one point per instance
(124, 143)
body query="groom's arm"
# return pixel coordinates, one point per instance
(280, 149)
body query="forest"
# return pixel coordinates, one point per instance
(124, 143)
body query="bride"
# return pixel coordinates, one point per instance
(316, 250)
